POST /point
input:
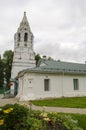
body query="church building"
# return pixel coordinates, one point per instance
(49, 79)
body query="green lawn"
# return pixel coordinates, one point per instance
(79, 117)
(77, 102)
(81, 120)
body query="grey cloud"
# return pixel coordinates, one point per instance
(59, 26)
(13, 3)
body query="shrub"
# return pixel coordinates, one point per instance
(14, 116)
(18, 117)
(52, 121)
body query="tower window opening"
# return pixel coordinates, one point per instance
(19, 37)
(25, 37)
(18, 44)
(25, 44)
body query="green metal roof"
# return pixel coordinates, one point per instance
(51, 66)
(63, 65)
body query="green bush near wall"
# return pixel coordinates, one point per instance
(19, 117)
(1, 91)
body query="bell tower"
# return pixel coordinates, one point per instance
(23, 48)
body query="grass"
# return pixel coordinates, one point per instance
(81, 120)
(75, 102)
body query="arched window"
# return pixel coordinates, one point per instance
(19, 37)
(25, 37)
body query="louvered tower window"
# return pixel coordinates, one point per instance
(26, 37)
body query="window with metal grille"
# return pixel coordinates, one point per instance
(76, 84)
(46, 84)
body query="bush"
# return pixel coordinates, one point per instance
(18, 117)
(14, 117)
(52, 121)
(1, 90)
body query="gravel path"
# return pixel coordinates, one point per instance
(48, 109)
(60, 109)
(7, 101)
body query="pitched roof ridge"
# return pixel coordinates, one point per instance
(69, 62)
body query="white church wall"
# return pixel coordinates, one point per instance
(20, 90)
(33, 86)
(26, 85)
(69, 86)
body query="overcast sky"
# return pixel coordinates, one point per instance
(59, 26)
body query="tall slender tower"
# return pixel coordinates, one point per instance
(23, 48)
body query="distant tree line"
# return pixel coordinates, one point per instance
(6, 65)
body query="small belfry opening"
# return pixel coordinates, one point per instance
(25, 37)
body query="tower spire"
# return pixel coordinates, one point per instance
(24, 13)
(24, 20)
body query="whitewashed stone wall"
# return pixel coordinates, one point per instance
(61, 85)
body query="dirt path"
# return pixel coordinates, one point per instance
(48, 109)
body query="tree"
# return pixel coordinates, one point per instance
(1, 73)
(37, 58)
(7, 60)
(50, 58)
